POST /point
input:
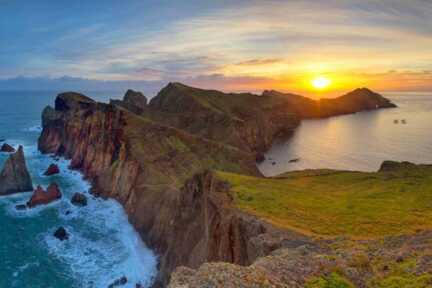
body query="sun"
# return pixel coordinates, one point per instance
(320, 82)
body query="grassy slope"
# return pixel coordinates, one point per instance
(330, 203)
(171, 156)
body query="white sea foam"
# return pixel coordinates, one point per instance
(103, 246)
(35, 129)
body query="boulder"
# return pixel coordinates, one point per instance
(41, 197)
(79, 199)
(61, 234)
(52, 170)
(119, 282)
(7, 148)
(21, 207)
(15, 177)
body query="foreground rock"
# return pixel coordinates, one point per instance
(7, 148)
(119, 282)
(61, 234)
(15, 177)
(79, 199)
(42, 197)
(52, 170)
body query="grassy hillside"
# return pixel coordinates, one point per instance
(330, 203)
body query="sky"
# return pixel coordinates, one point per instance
(229, 45)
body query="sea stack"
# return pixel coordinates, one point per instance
(42, 197)
(7, 148)
(15, 177)
(52, 170)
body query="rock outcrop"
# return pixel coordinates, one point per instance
(389, 166)
(52, 170)
(7, 148)
(42, 197)
(79, 199)
(133, 101)
(158, 165)
(61, 234)
(15, 177)
(119, 282)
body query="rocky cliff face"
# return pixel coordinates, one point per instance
(133, 101)
(246, 121)
(15, 177)
(153, 162)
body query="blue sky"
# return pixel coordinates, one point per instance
(231, 45)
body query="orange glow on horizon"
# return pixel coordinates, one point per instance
(321, 82)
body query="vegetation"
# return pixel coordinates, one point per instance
(330, 203)
(334, 280)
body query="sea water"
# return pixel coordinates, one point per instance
(102, 247)
(360, 141)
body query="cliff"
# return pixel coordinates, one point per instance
(157, 162)
(14, 177)
(368, 231)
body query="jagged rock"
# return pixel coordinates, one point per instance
(41, 197)
(21, 207)
(70, 101)
(119, 282)
(133, 101)
(15, 177)
(388, 166)
(79, 199)
(52, 169)
(61, 234)
(7, 148)
(260, 157)
(135, 98)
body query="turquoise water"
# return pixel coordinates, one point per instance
(360, 141)
(102, 247)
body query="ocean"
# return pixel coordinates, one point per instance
(360, 141)
(103, 246)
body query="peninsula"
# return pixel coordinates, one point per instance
(183, 165)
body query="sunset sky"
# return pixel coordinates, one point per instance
(231, 45)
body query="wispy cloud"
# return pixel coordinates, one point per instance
(255, 43)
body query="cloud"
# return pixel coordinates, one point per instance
(255, 62)
(255, 43)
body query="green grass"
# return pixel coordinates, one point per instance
(406, 281)
(334, 280)
(401, 275)
(330, 203)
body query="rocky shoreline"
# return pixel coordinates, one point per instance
(157, 160)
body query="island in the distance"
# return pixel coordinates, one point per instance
(184, 168)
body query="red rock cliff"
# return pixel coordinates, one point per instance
(153, 163)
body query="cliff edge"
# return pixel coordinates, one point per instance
(158, 161)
